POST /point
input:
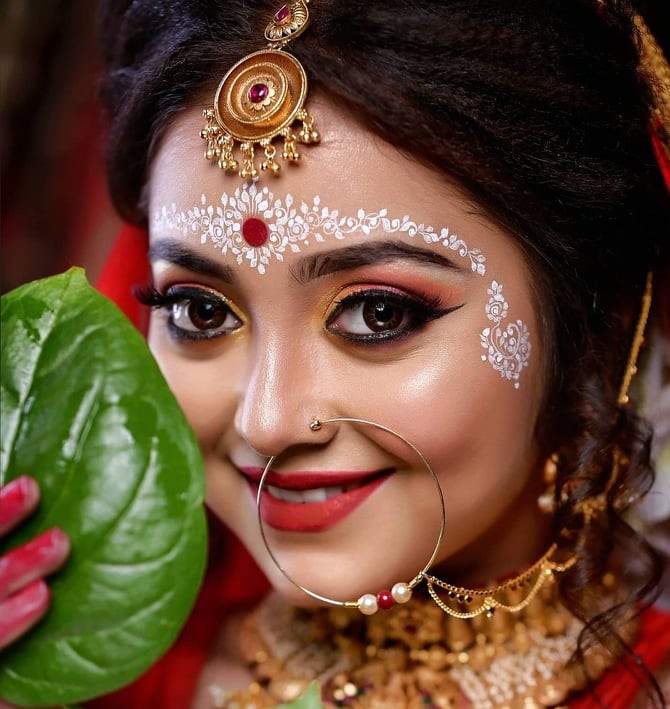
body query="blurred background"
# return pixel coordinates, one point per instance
(54, 206)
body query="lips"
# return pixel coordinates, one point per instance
(308, 501)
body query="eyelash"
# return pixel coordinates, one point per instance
(150, 296)
(421, 308)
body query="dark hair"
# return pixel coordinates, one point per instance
(537, 109)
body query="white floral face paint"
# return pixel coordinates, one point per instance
(257, 228)
(508, 348)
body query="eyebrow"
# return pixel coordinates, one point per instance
(309, 268)
(175, 252)
(379, 252)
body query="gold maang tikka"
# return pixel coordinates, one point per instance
(260, 99)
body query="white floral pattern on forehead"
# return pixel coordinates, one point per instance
(255, 227)
(291, 227)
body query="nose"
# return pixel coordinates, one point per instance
(285, 389)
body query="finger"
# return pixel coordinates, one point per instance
(20, 612)
(29, 562)
(17, 500)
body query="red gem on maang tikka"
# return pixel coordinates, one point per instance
(282, 14)
(258, 93)
(254, 231)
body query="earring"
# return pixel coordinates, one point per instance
(546, 501)
(591, 507)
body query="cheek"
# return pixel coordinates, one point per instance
(453, 383)
(459, 406)
(477, 432)
(473, 424)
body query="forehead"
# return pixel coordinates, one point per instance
(352, 178)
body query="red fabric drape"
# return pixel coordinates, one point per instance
(127, 266)
(661, 151)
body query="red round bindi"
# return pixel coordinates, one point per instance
(254, 231)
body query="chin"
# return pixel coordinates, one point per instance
(335, 576)
(293, 595)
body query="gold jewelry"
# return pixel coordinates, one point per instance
(595, 505)
(415, 656)
(546, 501)
(259, 99)
(368, 603)
(512, 596)
(638, 340)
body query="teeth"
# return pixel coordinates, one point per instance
(319, 494)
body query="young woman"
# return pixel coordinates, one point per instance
(425, 325)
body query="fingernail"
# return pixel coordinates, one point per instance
(16, 497)
(52, 539)
(22, 610)
(34, 596)
(38, 557)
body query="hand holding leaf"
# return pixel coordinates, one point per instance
(24, 595)
(85, 410)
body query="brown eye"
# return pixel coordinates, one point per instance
(202, 315)
(206, 316)
(375, 316)
(381, 315)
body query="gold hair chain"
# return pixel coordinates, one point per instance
(638, 341)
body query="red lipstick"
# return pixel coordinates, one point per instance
(306, 501)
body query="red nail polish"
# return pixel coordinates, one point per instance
(47, 541)
(16, 498)
(37, 558)
(35, 595)
(22, 610)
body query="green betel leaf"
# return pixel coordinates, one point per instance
(86, 411)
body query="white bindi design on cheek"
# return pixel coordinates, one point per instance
(258, 229)
(508, 348)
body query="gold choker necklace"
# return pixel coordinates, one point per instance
(416, 656)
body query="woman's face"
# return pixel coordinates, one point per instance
(361, 285)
